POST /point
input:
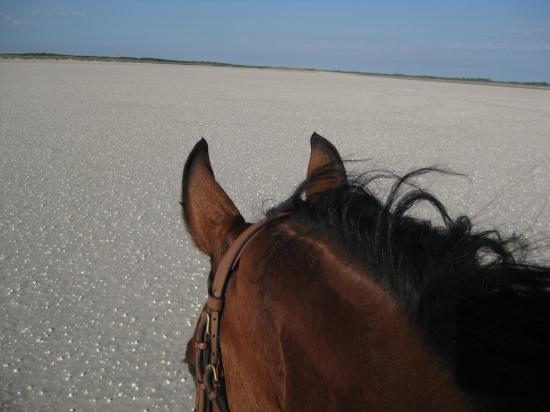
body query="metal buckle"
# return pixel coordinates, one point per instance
(214, 369)
(207, 329)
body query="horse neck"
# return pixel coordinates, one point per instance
(327, 336)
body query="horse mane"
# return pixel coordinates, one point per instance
(481, 307)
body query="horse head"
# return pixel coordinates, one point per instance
(336, 301)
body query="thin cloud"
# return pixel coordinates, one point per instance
(12, 19)
(530, 31)
(66, 12)
(521, 30)
(526, 28)
(497, 47)
(60, 12)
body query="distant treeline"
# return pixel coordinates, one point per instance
(54, 56)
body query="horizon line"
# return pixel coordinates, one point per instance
(469, 80)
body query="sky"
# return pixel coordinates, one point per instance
(505, 40)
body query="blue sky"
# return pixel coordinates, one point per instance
(501, 40)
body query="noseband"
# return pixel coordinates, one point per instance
(209, 376)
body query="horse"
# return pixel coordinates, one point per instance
(340, 300)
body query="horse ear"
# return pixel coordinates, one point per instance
(210, 215)
(325, 170)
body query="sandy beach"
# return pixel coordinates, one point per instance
(99, 282)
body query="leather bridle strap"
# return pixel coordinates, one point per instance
(209, 380)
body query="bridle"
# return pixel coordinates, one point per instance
(209, 375)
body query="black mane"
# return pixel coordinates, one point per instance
(481, 307)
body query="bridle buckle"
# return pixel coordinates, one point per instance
(215, 376)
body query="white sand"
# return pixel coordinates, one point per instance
(99, 284)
